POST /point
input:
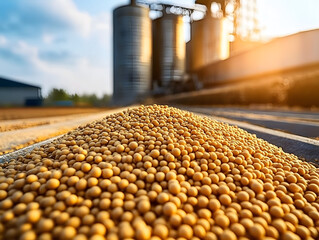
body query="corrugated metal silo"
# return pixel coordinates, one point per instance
(209, 42)
(169, 49)
(132, 56)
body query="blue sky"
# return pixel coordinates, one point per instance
(68, 43)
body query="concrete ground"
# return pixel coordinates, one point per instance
(302, 123)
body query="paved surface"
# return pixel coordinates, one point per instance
(300, 123)
(11, 139)
(302, 147)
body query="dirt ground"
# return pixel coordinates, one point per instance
(24, 113)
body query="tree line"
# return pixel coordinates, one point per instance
(58, 96)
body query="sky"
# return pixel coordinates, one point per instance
(68, 43)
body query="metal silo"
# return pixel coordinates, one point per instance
(169, 49)
(132, 56)
(209, 42)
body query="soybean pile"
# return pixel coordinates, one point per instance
(157, 172)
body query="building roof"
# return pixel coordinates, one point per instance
(10, 83)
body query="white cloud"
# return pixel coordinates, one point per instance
(88, 69)
(101, 25)
(48, 20)
(96, 27)
(66, 11)
(47, 38)
(80, 77)
(3, 40)
(34, 17)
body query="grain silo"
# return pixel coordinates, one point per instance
(169, 49)
(132, 56)
(209, 41)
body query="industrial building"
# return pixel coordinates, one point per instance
(151, 57)
(13, 93)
